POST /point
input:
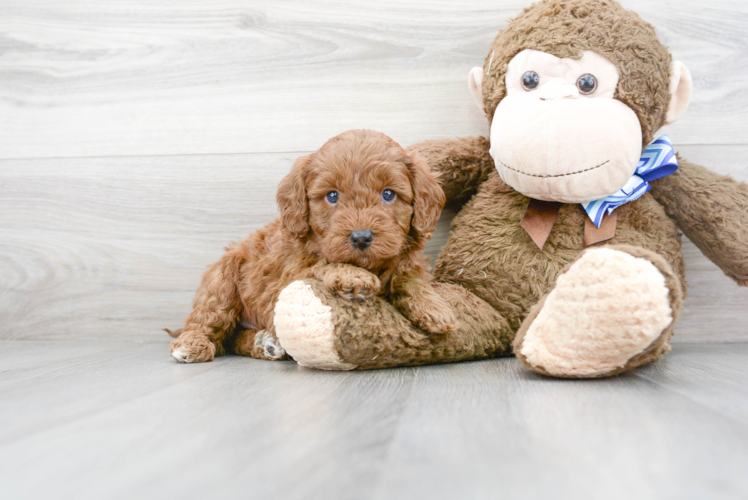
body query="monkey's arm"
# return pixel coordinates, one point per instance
(712, 210)
(461, 165)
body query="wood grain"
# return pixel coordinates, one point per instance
(115, 78)
(137, 138)
(106, 247)
(125, 421)
(109, 210)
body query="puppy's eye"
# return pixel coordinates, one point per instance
(530, 80)
(332, 197)
(388, 196)
(587, 84)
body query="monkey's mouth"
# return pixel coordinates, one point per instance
(553, 175)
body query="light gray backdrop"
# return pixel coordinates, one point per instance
(138, 138)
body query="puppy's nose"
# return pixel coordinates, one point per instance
(361, 239)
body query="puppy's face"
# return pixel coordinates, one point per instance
(360, 207)
(365, 199)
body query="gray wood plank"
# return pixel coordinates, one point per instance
(107, 246)
(112, 247)
(150, 428)
(491, 430)
(713, 376)
(22, 361)
(73, 390)
(113, 78)
(257, 428)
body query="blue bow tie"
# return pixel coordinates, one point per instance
(657, 160)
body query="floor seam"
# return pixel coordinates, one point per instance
(729, 416)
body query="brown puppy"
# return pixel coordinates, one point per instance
(355, 215)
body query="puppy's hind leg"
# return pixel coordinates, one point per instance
(216, 309)
(260, 344)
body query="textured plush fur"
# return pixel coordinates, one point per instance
(374, 334)
(566, 28)
(634, 295)
(712, 210)
(492, 256)
(462, 165)
(310, 322)
(311, 238)
(491, 267)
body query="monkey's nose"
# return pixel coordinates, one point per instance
(552, 91)
(361, 239)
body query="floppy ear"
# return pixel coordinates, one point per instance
(292, 201)
(428, 197)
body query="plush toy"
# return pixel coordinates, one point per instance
(566, 252)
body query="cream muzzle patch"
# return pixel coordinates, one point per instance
(559, 135)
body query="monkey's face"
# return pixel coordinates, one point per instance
(559, 135)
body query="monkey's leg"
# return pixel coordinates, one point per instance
(610, 311)
(215, 311)
(260, 344)
(321, 330)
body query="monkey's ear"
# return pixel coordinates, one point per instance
(292, 200)
(475, 84)
(428, 197)
(681, 88)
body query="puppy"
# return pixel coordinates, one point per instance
(356, 215)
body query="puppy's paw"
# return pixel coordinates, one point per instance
(192, 347)
(353, 283)
(268, 347)
(434, 317)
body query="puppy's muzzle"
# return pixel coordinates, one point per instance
(361, 239)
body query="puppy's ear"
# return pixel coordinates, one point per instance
(292, 200)
(428, 197)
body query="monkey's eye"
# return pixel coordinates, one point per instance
(388, 196)
(530, 80)
(587, 84)
(332, 197)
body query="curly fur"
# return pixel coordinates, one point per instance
(311, 238)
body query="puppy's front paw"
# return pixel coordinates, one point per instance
(353, 283)
(192, 347)
(434, 317)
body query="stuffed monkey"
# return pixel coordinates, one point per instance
(566, 251)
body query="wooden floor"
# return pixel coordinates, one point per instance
(113, 419)
(139, 137)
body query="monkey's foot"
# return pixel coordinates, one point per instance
(611, 311)
(305, 325)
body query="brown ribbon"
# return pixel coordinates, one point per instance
(540, 217)
(594, 234)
